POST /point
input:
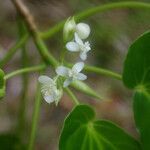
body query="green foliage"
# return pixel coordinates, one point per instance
(136, 72)
(136, 76)
(81, 131)
(2, 84)
(142, 117)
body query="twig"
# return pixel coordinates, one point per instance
(25, 13)
(25, 70)
(29, 20)
(13, 50)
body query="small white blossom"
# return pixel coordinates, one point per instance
(70, 27)
(49, 89)
(79, 46)
(71, 74)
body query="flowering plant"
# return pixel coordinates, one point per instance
(81, 131)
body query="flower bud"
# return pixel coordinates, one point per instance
(69, 28)
(83, 30)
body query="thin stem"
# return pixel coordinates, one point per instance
(62, 55)
(35, 119)
(25, 70)
(23, 102)
(107, 7)
(25, 80)
(53, 30)
(43, 50)
(102, 71)
(25, 14)
(29, 20)
(73, 97)
(13, 50)
(92, 11)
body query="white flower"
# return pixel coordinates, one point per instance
(71, 74)
(82, 29)
(79, 46)
(49, 89)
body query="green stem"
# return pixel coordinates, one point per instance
(35, 119)
(13, 50)
(22, 107)
(31, 26)
(53, 30)
(25, 70)
(62, 55)
(73, 97)
(23, 102)
(43, 50)
(111, 6)
(25, 80)
(102, 71)
(97, 70)
(92, 11)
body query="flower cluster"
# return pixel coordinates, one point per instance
(49, 87)
(81, 31)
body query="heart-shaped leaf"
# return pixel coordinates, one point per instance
(136, 75)
(82, 132)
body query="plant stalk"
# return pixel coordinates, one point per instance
(25, 70)
(72, 96)
(92, 11)
(35, 118)
(13, 50)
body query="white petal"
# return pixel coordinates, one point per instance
(72, 46)
(78, 67)
(45, 79)
(83, 30)
(81, 76)
(67, 82)
(49, 99)
(83, 55)
(77, 39)
(62, 71)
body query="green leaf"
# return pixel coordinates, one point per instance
(136, 75)
(2, 84)
(142, 117)
(82, 132)
(84, 88)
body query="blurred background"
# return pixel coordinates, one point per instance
(111, 34)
